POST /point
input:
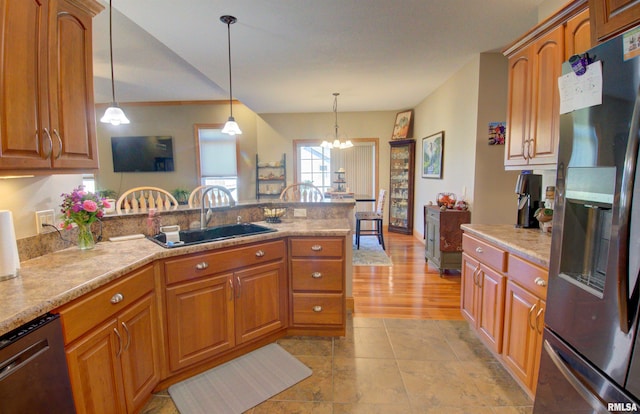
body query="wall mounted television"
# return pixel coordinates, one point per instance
(142, 154)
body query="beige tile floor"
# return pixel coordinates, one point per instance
(389, 366)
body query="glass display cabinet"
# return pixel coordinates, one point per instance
(402, 166)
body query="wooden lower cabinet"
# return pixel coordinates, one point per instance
(317, 286)
(215, 302)
(523, 328)
(482, 300)
(115, 364)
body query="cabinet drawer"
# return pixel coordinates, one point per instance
(318, 309)
(529, 276)
(317, 247)
(199, 265)
(317, 275)
(88, 311)
(485, 252)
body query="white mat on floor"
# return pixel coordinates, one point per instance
(240, 384)
(370, 253)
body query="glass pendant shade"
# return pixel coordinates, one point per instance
(231, 127)
(114, 115)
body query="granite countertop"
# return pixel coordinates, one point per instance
(52, 280)
(530, 244)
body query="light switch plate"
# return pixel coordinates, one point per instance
(299, 212)
(45, 217)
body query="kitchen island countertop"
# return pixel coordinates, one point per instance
(50, 281)
(530, 244)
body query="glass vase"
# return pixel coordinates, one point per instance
(85, 237)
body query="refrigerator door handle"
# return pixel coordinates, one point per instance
(592, 399)
(626, 309)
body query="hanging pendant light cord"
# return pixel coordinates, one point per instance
(228, 20)
(335, 110)
(113, 88)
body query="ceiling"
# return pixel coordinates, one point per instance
(291, 55)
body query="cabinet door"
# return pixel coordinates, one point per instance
(141, 354)
(611, 17)
(72, 109)
(261, 301)
(520, 335)
(470, 269)
(430, 240)
(518, 107)
(25, 140)
(577, 35)
(199, 320)
(94, 369)
(548, 54)
(491, 307)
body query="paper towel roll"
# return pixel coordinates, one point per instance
(9, 260)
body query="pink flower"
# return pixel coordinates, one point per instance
(106, 204)
(89, 205)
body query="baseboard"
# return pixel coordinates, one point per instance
(350, 304)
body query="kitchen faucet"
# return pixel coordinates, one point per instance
(205, 212)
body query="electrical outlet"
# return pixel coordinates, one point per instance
(45, 217)
(299, 212)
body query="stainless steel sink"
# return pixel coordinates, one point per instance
(196, 236)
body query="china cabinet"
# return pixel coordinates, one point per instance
(271, 177)
(402, 162)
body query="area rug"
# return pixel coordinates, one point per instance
(370, 253)
(239, 384)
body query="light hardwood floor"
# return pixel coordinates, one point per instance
(410, 289)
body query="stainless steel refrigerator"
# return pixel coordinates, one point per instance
(591, 359)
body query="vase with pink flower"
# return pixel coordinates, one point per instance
(82, 208)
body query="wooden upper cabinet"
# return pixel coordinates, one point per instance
(577, 35)
(24, 109)
(73, 113)
(535, 63)
(612, 17)
(47, 118)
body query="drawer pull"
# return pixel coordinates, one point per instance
(540, 281)
(317, 308)
(316, 247)
(202, 265)
(479, 250)
(117, 298)
(260, 253)
(316, 275)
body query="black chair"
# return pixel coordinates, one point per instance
(374, 216)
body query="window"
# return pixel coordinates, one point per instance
(216, 157)
(315, 166)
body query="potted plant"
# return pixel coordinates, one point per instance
(181, 195)
(110, 196)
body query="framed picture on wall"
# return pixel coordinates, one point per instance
(432, 151)
(403, 127)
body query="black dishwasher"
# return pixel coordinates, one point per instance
(33, 369)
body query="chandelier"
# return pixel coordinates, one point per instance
(336, 142)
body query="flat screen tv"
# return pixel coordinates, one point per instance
(142, 154)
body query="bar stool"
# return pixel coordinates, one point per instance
(374, 216)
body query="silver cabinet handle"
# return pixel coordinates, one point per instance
(202, 265)
(55, 132)
(316, 247)
(317, 308)
(539, 326)
(260, 253)
(48, 154)
(540, 281)
(117, 298)
(126, 329)
(239, 287)
(230, 289)
(479, 250)
(115, 330)
(316, 275)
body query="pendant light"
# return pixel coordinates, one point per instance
(114, 114)
(336, 143)
(231, 127)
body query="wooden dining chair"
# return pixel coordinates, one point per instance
(215, 196)
(374, 216)
(141, 199)
(301, 192)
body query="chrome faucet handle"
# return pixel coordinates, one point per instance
(239, 220)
